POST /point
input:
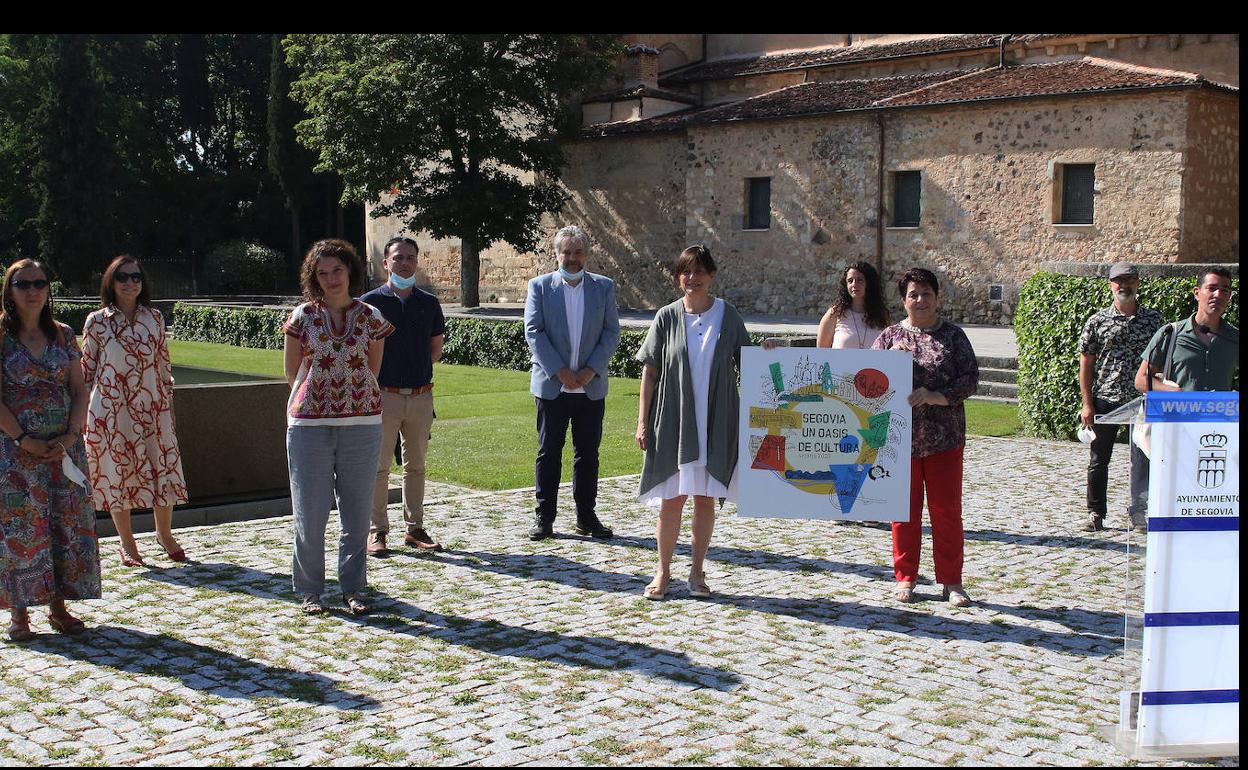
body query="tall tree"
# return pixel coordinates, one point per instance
(290, 162)
(456, 134)
(76, 168)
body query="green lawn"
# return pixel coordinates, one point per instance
(486, 436)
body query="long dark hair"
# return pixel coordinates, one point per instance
(10, 320)
(876, 315)
(108, 284)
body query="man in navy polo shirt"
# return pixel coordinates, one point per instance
(406, 381)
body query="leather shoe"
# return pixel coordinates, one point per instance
(594, 529)
(542, 530)
(377, 544)
(419, 538)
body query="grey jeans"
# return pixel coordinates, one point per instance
(328, 462)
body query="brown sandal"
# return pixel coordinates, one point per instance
(19, 629)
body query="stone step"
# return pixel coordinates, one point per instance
(997, 362)
(996, 399)
(1000, 389)
(991, 374)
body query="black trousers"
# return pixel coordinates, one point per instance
(553, 417)
(1098, 467)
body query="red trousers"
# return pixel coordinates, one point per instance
(941, 475)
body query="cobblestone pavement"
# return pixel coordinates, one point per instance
(502, 651)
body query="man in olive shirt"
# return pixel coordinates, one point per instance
(1109, 349)
(1206, 349)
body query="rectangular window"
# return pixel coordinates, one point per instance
(1078, 180)
(906, 188)
(758, 203)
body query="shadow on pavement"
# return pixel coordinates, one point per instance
(1091, 632)
(199, 667)
(1044, 541)
(488, 636)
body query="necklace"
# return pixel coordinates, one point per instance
(860, 334)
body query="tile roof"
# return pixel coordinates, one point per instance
(635, 91)
(1067, 77)
(1086, 75)
(853, 54)
(757, 65)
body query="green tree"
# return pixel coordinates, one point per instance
(76, 170)
(461, 132)
(290, 162)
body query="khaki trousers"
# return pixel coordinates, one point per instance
(412, 418)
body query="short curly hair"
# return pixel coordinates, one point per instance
(329, 247)
(917, 275)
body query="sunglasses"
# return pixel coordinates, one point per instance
(37, 284)
(121, 277)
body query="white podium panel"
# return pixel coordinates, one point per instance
(1189, 666)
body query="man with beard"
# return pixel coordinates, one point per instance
(1109, 351)
(572, 327)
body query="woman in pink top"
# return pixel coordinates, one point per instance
(334, 345)
(859, 314)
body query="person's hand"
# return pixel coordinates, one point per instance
(36, 447)
(643, 438)
(924, 397)
(1087, 416)
(585, 376)
(568, 378)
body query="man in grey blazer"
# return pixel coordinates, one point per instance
(573, 328)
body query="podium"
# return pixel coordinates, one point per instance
(1180, 696)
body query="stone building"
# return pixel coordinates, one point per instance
(979, 156)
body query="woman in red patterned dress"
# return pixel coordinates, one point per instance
(48, 549)
(131, 446)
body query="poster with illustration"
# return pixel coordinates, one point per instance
(825, 434)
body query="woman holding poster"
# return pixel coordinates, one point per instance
(945, 375)
(687, 422)
(859, 314)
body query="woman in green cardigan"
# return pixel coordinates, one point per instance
(687, 423)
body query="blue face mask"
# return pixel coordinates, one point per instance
(572, 276)
(399, 282)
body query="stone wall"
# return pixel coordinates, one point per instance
(629, 196)
(1211, 181)
(988, 178)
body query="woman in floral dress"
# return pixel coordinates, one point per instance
(133, 452)
(48, 547)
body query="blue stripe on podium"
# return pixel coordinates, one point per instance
(1179, 619)
(1188, 697)
(1193, 524)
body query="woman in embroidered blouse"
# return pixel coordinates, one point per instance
(687, 421)
(859, 314)
(131, 446)
(333, 354)
(48, 548)
(945, 375)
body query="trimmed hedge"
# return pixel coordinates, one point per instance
(74, 314)
(1051, 312)
(237, 326)
(469, 341)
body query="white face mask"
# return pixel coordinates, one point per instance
(399, 282)
(572, 276)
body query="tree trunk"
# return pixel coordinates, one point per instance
(293, 262)
(469, 273)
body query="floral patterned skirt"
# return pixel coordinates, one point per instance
(48, 546)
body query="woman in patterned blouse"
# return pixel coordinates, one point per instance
(333, 353)
(131, 445)
(945, 375)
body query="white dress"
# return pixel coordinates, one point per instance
(701, 335)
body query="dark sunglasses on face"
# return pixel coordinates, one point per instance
(37, 284)
(124, 277)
